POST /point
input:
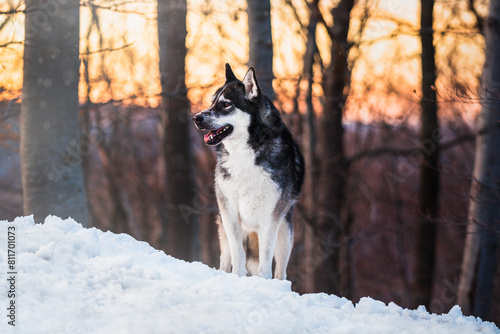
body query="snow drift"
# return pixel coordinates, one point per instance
(70, 279)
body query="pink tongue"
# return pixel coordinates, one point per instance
(207, 136)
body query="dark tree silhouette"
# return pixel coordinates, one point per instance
(261, 43)
(179, 235)
(428, 194)
(50, 147)
(479, 264)
(332, 171)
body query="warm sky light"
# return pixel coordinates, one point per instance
(383, 68)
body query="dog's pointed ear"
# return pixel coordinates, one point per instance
(252, 88)
(229, 74)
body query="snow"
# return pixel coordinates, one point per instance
(71, 279)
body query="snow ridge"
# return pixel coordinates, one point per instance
(72, 279)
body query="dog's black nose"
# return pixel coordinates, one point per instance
(197, 119)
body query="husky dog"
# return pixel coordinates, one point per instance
(259, 174)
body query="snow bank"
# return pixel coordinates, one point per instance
(70, 279)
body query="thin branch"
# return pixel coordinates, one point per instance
(379, 15)
(13, 11)
(375, 153)
(314, 8)
(481, 96)
(468, 137)
(116, 8)
(106, 50)
(9, 43)
(297, 17)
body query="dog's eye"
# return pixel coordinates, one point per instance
(227, 104)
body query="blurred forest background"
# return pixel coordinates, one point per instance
(384, 97)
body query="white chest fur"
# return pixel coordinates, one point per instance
(248, 188)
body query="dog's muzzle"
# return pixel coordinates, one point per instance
(215, 135)
(198, 119)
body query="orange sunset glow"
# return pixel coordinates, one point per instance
(384, 58)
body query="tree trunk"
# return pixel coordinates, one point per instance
(428, 194)
(179, 236)
(51, 154)
(309, 142)
(333, 167)
(261, 43)
(481, 244)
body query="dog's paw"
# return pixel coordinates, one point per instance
(242, 272)
(265, 274)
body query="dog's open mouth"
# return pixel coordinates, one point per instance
(214, 137)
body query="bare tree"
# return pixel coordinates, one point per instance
(179, 235)
(479, 264)
(50, 158)
(261, 43)
(309, 142)
(428, 194)
(333, 170)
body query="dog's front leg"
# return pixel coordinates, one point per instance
(235, 243)
(232, 229)
(225, 254)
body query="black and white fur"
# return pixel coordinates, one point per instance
(258, 177)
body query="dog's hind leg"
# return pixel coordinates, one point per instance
(283, 246)
(252, 252)
(267, 242)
